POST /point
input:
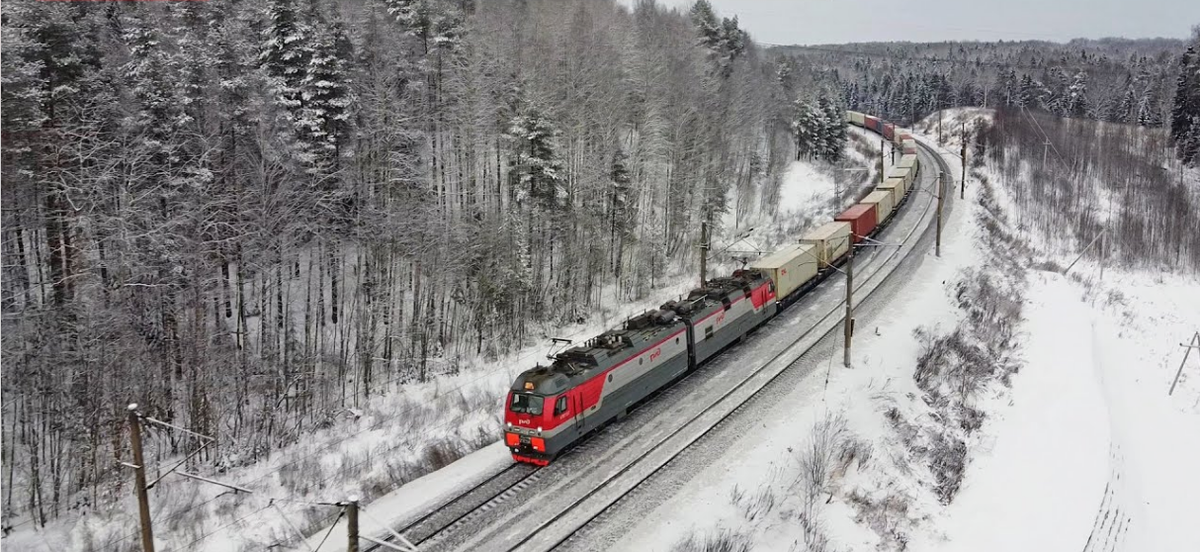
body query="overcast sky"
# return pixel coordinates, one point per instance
(840, 21)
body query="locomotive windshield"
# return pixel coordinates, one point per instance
(523, 403)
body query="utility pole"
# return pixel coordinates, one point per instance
(941, 192)
(703, 250)
(882, 167)
(849, 323)
(1194, 343)
(139, 478)
(962, 194)
(352, 524)
(1045, 153)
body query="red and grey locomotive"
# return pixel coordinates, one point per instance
(551, 407)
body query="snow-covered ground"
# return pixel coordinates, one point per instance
(1080, 447)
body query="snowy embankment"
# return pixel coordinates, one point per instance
(991, 406)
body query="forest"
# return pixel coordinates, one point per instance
(1116, 80)
(248, 217)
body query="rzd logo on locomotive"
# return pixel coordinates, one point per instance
(657, 353)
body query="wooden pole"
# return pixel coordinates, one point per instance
(849, 322)
(352, 524)
(139, 478)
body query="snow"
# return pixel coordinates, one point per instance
(1043, 464)
(421, 495)
(804, 189)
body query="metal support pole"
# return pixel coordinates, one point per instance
(962, 193)
(941, 192)
(352, 524)
(1193, 344)
(139, 478)
(849, 322)
(882, 167)
(703, 250)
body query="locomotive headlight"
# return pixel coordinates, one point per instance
(539, 430)
(509, 424)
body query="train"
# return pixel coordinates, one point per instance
(550, 408)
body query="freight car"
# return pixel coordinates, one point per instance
(550, 408)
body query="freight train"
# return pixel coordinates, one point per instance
(550, 408)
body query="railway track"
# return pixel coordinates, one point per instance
(595, 502)
(485, 495)
(429, 530)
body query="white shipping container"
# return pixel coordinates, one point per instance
(895, 187)
(856, 118)
(789, 267)
(832, 240)
(882, 200)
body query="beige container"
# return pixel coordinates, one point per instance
(901, 173)
(895, 187)
(909, 161)
(856, 118)
(882, 200)
(789, 267)
(831, 239)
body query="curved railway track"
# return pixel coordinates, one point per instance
(431, 529)
(613, 482)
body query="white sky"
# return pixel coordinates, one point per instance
(841, 21)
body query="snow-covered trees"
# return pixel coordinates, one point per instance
(1185, 111)
(1082, 79)
(819, 129)
(248, 216)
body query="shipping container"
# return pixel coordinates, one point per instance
(789, 267)
(910, 162)
(888, 130)
(910, 146)
(832, 240)
(856, 118)
(861, 218)
(872, 123)
(901, 173)
(883, 205)
(893, 186)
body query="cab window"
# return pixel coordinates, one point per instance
(560, 406)
(524, 403)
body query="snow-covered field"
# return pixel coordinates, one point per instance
(1079, 447)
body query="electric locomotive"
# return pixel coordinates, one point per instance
(549, 408)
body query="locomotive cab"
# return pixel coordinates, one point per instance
(533, 414)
